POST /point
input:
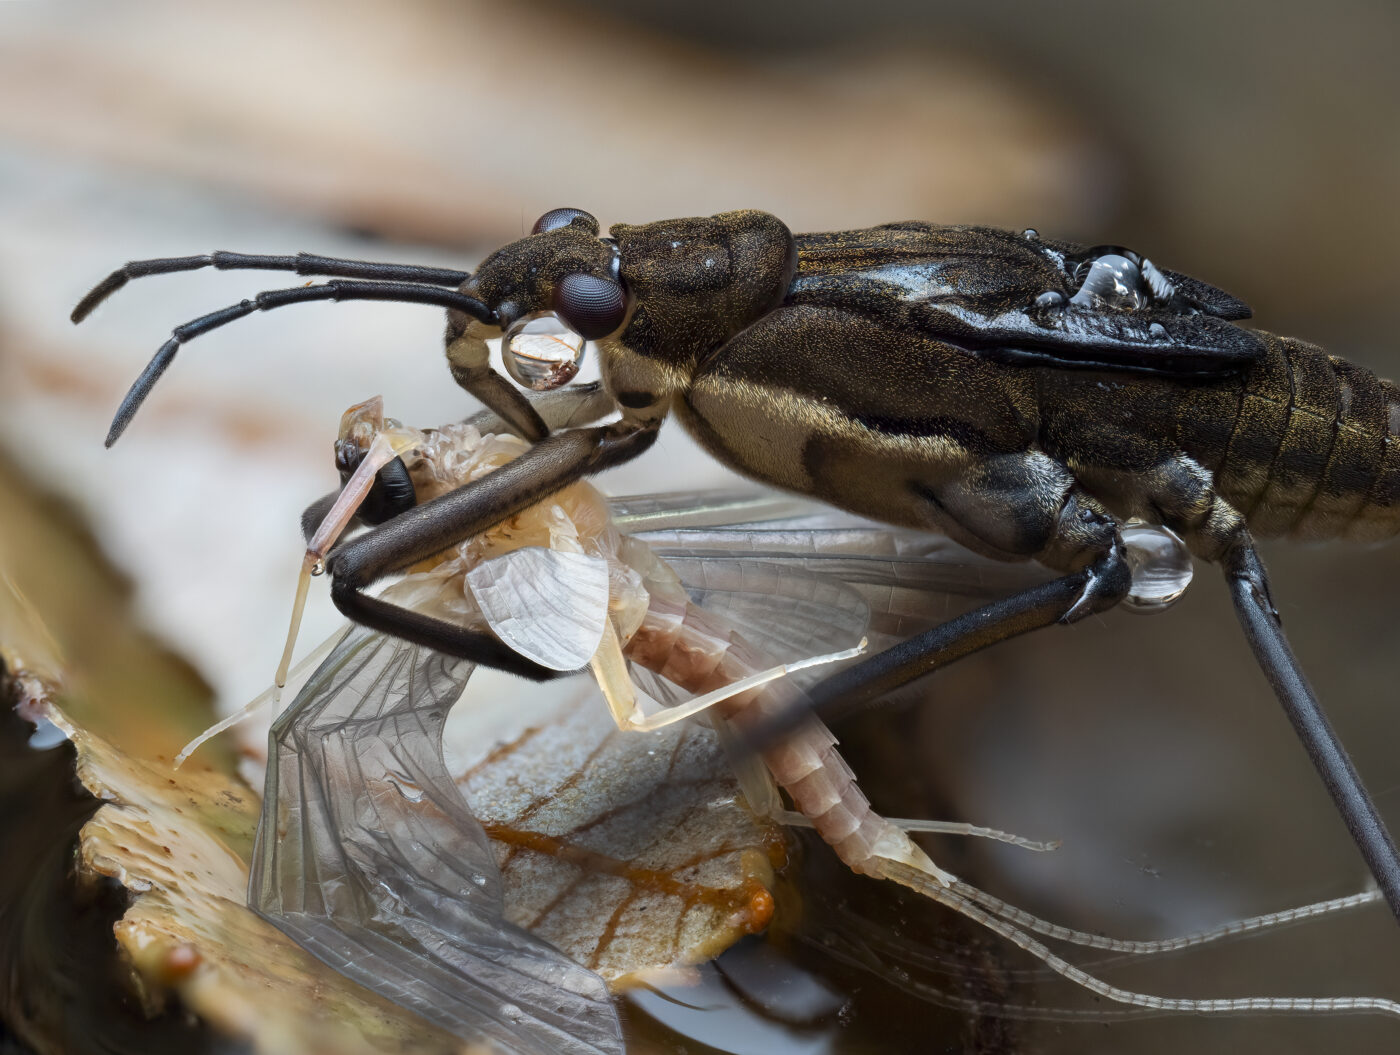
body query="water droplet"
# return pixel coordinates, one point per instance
(1030, 234)
(1157, 331)
(1345, 396)
(1161, 566)
(479, 879)
(1050, 299)
(511, 1013)
(541, 352)
(1113, 282)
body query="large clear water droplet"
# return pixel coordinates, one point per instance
(1161, 566)
(541, 352)
(1113, 282)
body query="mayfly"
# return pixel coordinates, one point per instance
(1024, 396)
(581, 591)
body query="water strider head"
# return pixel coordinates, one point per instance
(654, 296)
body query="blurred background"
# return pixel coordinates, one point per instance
(1253, 144)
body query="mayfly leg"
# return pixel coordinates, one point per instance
(385, 448)
(610, 668)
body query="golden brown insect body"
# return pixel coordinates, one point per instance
(857, 367)
(1021, 395)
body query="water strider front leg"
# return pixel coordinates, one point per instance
(393, 493)
(469, 359)
(432, 527)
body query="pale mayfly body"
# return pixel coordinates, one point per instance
(575, 582)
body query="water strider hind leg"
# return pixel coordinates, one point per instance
(1186, 498)
(1250, 591)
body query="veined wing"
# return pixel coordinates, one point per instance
(380, 870)
(905, 580)
(797, 579)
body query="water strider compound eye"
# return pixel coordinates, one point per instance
(541, 351)
(593, 306)
(557, 218)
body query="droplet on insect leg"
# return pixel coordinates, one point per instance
(1161, 567)
(541, 352)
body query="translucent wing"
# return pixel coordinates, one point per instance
(907, 580)
(548, 605)
(796, 578)
(379, 869)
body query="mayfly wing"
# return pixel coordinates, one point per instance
(906, 578)
(548, 605)
(379, 868)
(796, 578)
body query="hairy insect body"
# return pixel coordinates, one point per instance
(1302, 444)
(835, 388)
(1021, 395)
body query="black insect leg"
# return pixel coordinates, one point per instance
(555, 462)
(301, 264)
(564, 408)
(1095, 588)
(315, 513)
(1250, 591)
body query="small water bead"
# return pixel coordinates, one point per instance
(1161, 566)
(541, 352)
(1113, 282)
(1051, 298)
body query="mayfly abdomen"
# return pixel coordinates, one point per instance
(696, 651)
(1315, 451)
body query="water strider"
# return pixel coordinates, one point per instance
(1024, 396)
